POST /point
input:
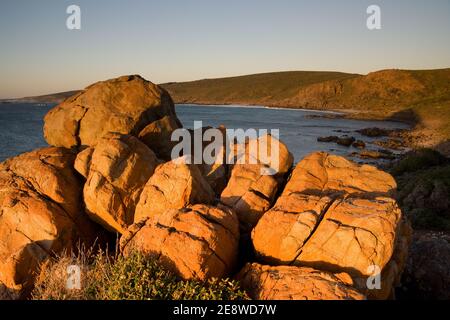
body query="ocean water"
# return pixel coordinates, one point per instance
(21, 126)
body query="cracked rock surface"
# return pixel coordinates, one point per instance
(198, 242)
(174, 185)
(40, 214)
(126, 105)
(119, 168)
(296, 283)
(337, 216)
(249, 191)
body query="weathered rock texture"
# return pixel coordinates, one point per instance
(296, 283)
(174, 185)
(126, 105)
(250, 190)
(83, 161)
(120, 166)
(198, 242)
(337, 216)
(40, 214)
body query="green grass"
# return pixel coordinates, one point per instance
(135, 277)
(420, 159)
(265, 88)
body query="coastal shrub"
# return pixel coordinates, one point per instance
(420, 159)
(135, 277)
(418, 198)
(427, 219)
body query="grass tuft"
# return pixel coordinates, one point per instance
(135, 277)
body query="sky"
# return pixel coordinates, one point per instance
(181, 40)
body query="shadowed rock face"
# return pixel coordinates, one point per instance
(296, 283)
(335, 215)
(40, 214)
(126, 105)
(119, 168)
(249, 192)
(198, 242)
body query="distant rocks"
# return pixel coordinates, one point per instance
(374, 132)
(328, 139)
(359, 144)
(345, 141)
(372, 154)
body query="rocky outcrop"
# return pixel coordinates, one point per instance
(335, 215)
(296, 283)
(174, 185)
(157, 135)
(126, 105)
(427, 274)
(120, 166)
(83, 161)
(198, 242)
(332, 224)
(40, 215)
(254, 182)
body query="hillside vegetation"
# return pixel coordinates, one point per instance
(421, 97)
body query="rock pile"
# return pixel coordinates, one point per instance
(317, 230)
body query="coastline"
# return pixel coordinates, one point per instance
(232, 105)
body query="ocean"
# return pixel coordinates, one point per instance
(21, 126)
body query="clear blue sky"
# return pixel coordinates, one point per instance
(178, 40)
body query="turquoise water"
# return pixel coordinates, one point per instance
(21, 126)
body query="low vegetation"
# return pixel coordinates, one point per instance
(135, 277)
(424, 189)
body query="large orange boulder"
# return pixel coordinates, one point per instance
(119, 168)
(174, 185)
(158, 136)
(296, 283)
(337, 216)
(40, 214)
(198, 242)
(127, 105)
(254, 181)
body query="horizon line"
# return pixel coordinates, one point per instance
(226, 77)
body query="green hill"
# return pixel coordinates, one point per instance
(421, 97)
(264, 89)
